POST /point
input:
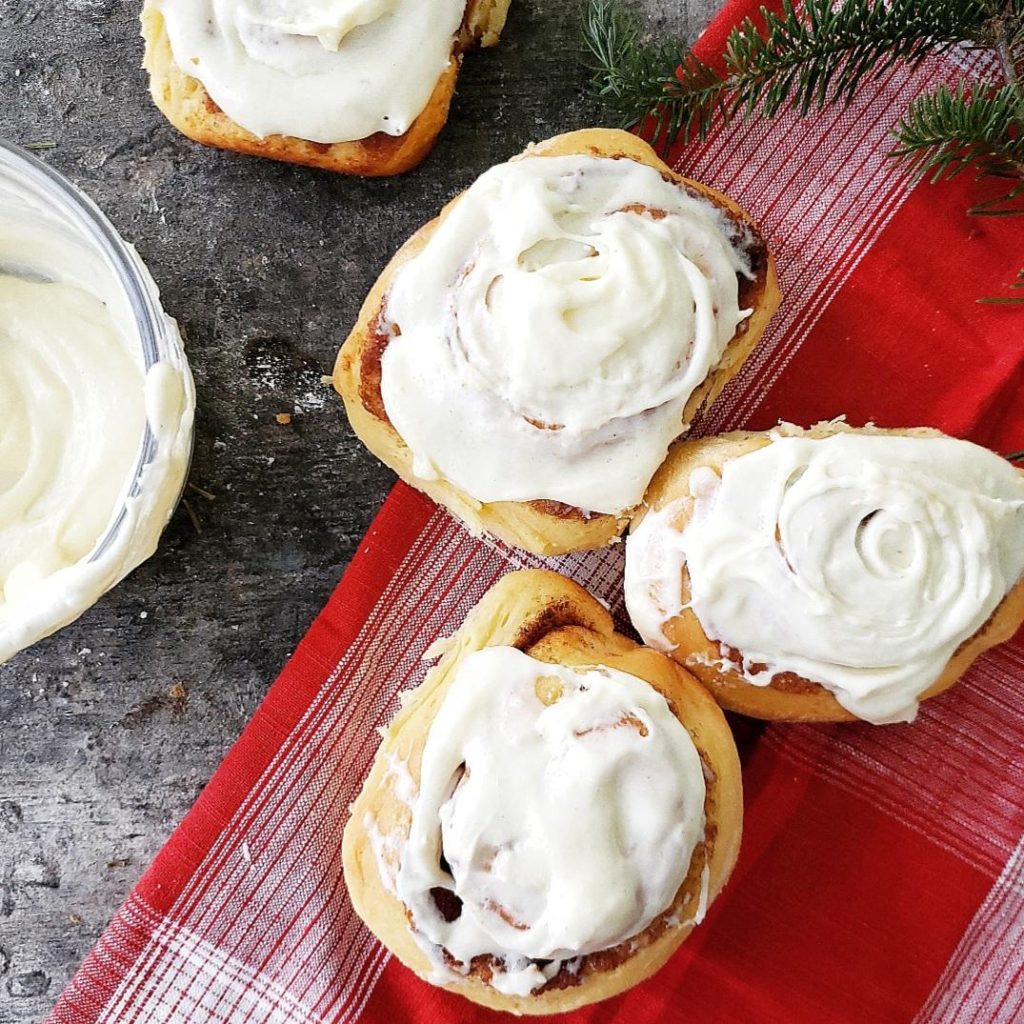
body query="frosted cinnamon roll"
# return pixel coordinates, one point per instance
(358, 86)
(527, 358)
(552, 811)
(831, 573)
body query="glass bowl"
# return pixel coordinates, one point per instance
(48, 225)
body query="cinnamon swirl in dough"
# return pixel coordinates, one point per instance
(357, 86)
(551, 812)
(830, 573)
(527, 358)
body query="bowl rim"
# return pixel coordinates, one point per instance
(156, 332)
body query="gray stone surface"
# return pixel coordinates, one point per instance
(110, 729)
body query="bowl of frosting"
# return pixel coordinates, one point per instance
(96, 404)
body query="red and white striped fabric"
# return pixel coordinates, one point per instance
(882, 874)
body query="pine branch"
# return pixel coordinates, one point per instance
(802, 60)
(821, 54)
(981, 126)
(640, 79)
(946, 131)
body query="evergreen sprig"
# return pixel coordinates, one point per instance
(822, 55)
(800, 59)
(640, 78)
(808, 57)
(949, 130)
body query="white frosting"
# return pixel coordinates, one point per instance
(323, 70)
(550, 337)
(859, 561)
(655, 557)
(58, 486)
(568, 826)
(387, 847)
(80, 415)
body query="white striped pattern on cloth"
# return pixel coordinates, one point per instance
(984, 980)
(263, 933)
(823, 191)
(956, 775)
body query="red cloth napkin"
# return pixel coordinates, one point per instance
(882, 872)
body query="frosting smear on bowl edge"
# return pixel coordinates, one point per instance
(96, 427)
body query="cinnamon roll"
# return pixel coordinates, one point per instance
(551, 812)
(527, 358)
(830, 573)
(357, 86)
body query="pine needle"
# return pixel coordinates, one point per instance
(208, 495)
(641, 79)
(807, 58)
(1008, 300)
(196, 524)
(799, 59)
(946, 131)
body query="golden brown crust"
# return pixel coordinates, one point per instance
(789, 697)
(552, 619)
(543, 527)
(187, 105)
(482, 26)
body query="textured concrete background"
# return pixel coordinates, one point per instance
(109, 730)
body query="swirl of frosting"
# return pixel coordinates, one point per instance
(323, 70)
(561, 314)
(558, 809)
(858, 561)
(60, 364)
(330, 21)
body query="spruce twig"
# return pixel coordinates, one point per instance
(980, 126)
(641, 79)
(803, 60)
(946, 131)
(822, 53)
